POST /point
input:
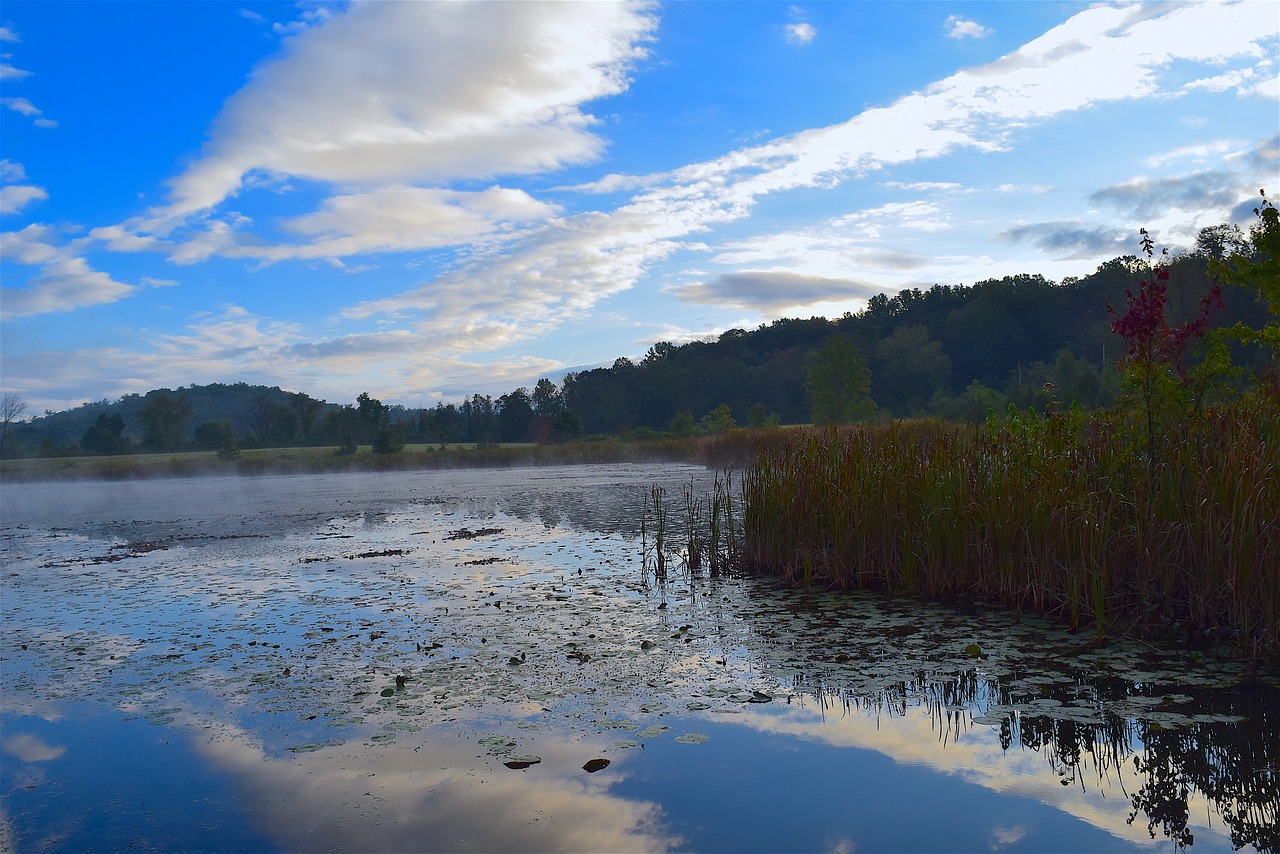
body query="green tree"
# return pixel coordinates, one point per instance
(718, 420)
(839, 384)
(683, 424)
(566, 426)
(515, 416)
(389, 440)
(547, 399)
(266, 419)
(305, 409)
(1256, 267)
(105, 436)
(761, 418)
(1221, 241)
(343, 425)
(371, 414)
(910, 369)
(212, 435)
(164, 420)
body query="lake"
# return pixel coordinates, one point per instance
(479, 661)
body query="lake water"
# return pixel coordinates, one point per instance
(212, 664)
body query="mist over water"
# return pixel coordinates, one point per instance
(434, 660)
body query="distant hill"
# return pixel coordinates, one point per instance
(951, 351)
(245, 406)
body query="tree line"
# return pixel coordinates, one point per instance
(950, 351)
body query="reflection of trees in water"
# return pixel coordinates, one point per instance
(1235, 765)
(605, 507)
(1232, 762)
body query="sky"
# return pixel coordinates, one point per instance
(428, 200)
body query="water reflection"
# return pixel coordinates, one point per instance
(443, 793)
(328, 654)
(1178, 738)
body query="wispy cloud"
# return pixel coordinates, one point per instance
(775, 291)
(1143, 198)
(1074, 239)
(1088, 60)
(799, 31)
(20, 105)
(10, 72)
(402, 218)
(65, 280)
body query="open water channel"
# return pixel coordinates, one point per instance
(476, 661)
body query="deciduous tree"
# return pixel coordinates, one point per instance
(839, 384)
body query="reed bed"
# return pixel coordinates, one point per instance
(1054, 513)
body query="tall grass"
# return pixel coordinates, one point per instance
(1054, 513)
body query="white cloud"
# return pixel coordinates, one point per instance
(10, 171)
(120, 239)
(1218, 151)
(1245, 82)
(801, 32)
(459, 90)
(402, 218)
(14, 197)
(930, 186)
(1100, 55)
(310, 18)
(63, 284)
(31, 246)
(9, 72)
(8, 34)
(959, 28)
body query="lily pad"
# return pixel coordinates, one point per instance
(692, 738)
(517, 763)
(595, 765)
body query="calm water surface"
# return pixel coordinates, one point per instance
(212, 665)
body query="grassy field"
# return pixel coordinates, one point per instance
(325, 459)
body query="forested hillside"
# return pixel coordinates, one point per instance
(951, 351)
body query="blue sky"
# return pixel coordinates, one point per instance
(426, 200)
